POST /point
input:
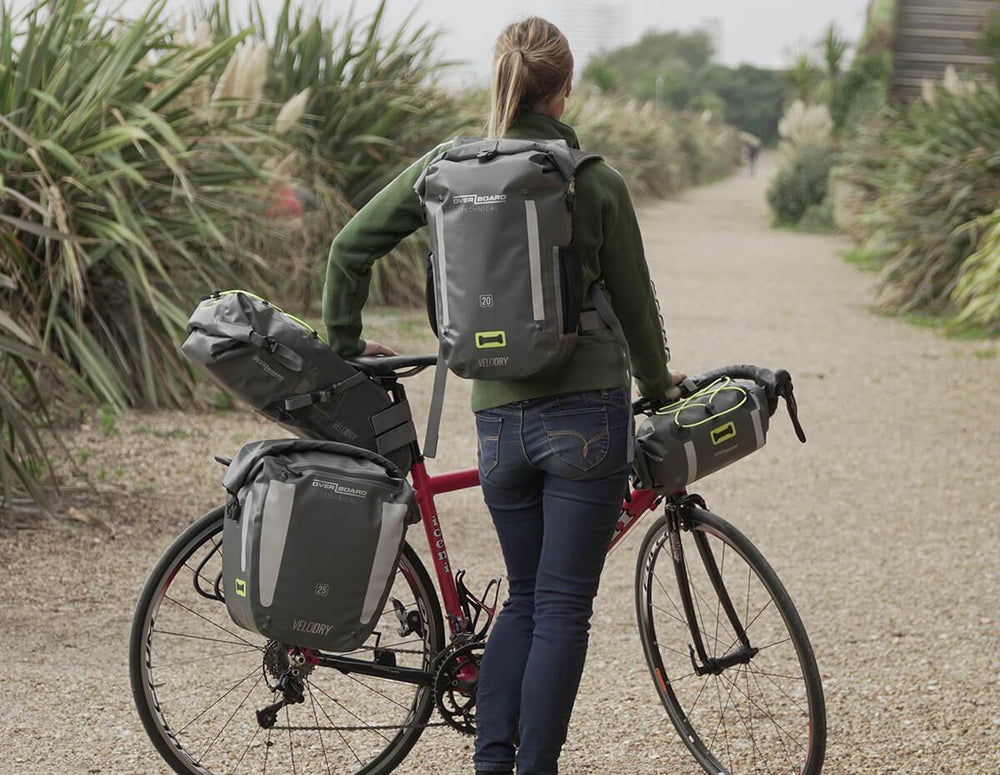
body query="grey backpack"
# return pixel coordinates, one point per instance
(506, 285)
(311, 539)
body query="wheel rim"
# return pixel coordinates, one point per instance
(756, 717)
(203, 679)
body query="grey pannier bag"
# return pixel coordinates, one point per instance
(311, 539)
(279, 365)
(690, 439)
(507, 286)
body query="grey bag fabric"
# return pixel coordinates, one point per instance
(311, 540)
(279, 365)
(690, 439)
(508, 287)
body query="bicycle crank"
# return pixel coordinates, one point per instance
(455, 682)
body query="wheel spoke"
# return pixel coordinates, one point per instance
(333, 726)
(218, 700)
(214, 624)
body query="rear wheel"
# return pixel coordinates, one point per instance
(198, 680)
(755, 705)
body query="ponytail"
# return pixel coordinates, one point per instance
(532, 63)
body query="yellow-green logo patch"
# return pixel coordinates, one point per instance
(486, 340)
(241, 587)
(723, 433)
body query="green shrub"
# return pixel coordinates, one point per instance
(802, 182)
(929, 174)
(118, 194)
(369, 108)
(658, 151)
(977, 292)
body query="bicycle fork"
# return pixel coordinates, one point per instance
(701, 662)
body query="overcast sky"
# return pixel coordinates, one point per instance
(760, 32)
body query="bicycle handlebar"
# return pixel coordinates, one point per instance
(776, 385)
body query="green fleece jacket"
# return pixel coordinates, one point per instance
(608, 242)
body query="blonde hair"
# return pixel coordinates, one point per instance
(532, 63)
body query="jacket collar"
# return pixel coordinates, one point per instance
(529, 125)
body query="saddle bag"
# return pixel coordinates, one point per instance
(311, 539)
(278, 364)
(688, 440)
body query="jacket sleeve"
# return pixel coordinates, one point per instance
(391, 215)
(633, 298)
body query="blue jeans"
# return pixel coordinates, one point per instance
(553, 471)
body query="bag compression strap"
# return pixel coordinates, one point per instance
(436, 407)
(286, 355)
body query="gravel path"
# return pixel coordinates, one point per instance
(885, 527)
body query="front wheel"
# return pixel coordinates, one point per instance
(727, 650)
(199, 680)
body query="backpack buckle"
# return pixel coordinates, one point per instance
(488, 150)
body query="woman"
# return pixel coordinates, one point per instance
(553, 450)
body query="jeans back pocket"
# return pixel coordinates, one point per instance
(488, 435)
(580, 438)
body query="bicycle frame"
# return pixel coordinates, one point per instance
(427, 487)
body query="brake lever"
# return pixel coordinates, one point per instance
(786, 391)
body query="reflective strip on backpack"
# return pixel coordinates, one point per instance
(442, 279)
(386, 551)
(273, 532)
(535, 261)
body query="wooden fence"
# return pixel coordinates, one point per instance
(933, 34)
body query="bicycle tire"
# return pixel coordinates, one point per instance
(185, 546)
(656, 538)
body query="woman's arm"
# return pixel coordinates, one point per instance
(391, 215)
(626, 276)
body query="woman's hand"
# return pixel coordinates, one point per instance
(374, 348)
(676, 378)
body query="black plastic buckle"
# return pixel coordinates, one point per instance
(488, 150)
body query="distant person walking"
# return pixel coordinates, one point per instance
(751, 151)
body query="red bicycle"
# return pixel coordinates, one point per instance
(729, 656)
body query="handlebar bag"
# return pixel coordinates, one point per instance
(277, 364)
(311, 539)
(692, 438)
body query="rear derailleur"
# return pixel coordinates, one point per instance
(289, 666)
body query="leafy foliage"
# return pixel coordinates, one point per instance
(746, 97)
(370, 108)
(118, 194)
(977, 293)
(657, 151)
(801, 183)
(930, 175)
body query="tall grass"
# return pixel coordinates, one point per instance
(369, 106)
(659, 152)
(118, 196)
(929, 175)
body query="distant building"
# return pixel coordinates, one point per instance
(593, 26)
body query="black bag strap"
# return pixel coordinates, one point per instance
(325, 396)
(245, 333)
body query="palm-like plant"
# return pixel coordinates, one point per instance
(370, 108)
(118, 193)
